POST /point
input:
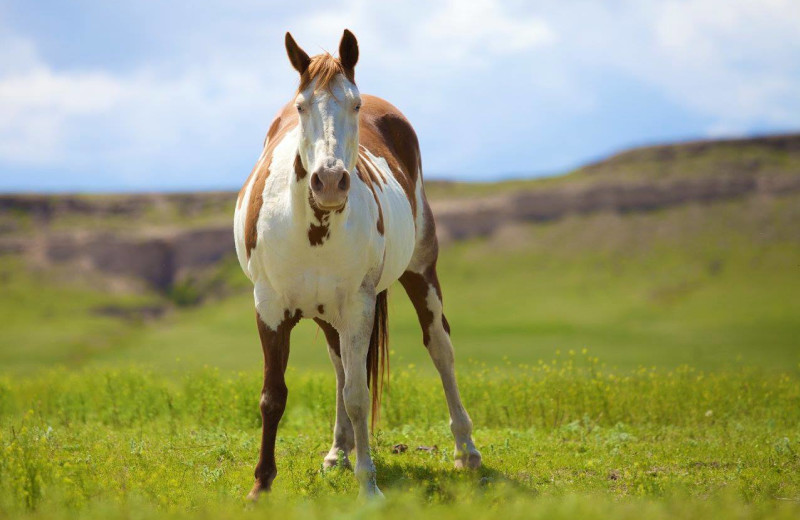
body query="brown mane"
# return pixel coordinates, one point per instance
(323, 68)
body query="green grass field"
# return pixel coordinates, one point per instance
(559, 439)
(685, 404)
(712, 286)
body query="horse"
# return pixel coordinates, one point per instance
(333, 212)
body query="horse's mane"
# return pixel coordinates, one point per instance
(323, 68)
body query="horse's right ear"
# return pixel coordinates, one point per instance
(297, 56)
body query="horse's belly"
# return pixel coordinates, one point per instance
(399, 233)
(312, 288)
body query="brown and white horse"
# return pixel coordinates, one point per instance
(332, 214)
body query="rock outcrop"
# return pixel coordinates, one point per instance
(158, 238)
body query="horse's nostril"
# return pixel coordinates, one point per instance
(344, 182)
(316, 183)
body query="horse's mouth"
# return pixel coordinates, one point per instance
(338, 208)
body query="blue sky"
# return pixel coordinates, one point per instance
(153, 95)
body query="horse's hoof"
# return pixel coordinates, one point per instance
(336, 461)
(371, 492)
(468, 460)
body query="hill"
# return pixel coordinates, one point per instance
(663, 255)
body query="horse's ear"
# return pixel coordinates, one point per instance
(297, 56)
(348, 50)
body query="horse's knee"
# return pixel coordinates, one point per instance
(461, 426)
(343, 437)
(356, 401)
(273, 402)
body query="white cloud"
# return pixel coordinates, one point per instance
(735, 61)
(84, 117)
(128, 122)
(36, 104)
(469, 74)
(425, 33)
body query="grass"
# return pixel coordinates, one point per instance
(694, 411)
(558, 438)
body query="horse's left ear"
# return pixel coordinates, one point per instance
(348, 50)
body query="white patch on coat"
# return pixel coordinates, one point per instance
(398, 222)
(289, 273)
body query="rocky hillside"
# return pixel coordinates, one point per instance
(161, 238)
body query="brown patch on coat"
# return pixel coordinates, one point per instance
(299, 171)
(320, 232)
(417, 289)
(275, 347)
(371, 176)
(417, 286)
(285, 121)
(386, 133)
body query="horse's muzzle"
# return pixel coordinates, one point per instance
(329, 187)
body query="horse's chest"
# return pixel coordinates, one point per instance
(309, 274)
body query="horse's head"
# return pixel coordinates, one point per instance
(327, 103)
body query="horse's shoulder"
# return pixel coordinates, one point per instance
(284, 122)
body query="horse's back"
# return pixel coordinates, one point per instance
(386, 132)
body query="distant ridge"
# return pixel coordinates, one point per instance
(770, 146)
(158, 238)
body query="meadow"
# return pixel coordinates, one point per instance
(614, 365)
(559, 439)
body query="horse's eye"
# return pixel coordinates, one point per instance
(299, 108)
(358, 107)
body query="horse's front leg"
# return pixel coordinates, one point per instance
(354, 334)
(343, 440)
(274, 333)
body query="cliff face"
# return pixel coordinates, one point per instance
(458, 220)
(159, 238)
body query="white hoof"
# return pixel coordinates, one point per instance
(336, 459)
(370, 492)
(467, 459)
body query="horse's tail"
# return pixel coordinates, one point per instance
(378, 355)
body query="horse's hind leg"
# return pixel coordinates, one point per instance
(426, 295)
(343, 438)
(275, 344)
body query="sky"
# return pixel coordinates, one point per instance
(99, 96)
